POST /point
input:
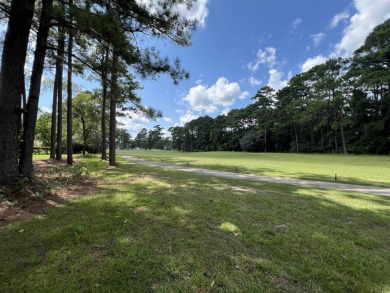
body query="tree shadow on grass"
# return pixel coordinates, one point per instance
(163, 230)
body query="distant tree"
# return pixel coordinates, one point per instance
(154, 137)
(141, 139)
(86, 113)
(177, 134)
(264, 100)
(123, 139)
(43, 128)
(249, 141)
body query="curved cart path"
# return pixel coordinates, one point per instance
(307, 183)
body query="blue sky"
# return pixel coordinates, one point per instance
(242, 45)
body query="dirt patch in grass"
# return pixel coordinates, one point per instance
(52, 186)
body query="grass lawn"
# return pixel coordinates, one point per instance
(362, 169)
(153, 230)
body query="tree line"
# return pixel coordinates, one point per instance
(107, 40)
(340, 106)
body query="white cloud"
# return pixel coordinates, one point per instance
(197, 12)
(318, 38)
(337, 18)
(297, 22)
(266, 56)
(370, 13)
(134, 124)
(44, 109)
(225, 111)
(275, 79)
(223, 93)
(311, 62)
(186, 117)
(254, 82)
(167, 119)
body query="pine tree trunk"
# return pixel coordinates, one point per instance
(11, 85)
(296, 138)
(113, 94)
(61, 47)
(26, 151)
(104, 131)
(53, 132)
(343, 139)
(69, 121)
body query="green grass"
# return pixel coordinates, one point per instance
(41, 156)
(362, 169)
(154, 230)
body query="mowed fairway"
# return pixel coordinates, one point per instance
(364, 169)
(147, 229)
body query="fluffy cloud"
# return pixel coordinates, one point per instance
(254, 82)
(297, 22)
(311, 62)
(223, 93)
(318, 38)
(134, 124)
(44, 109)
(370, 13)
(337, 18)
(276, 81)
(226, 111)
(197, 12)
(167, 119)
(266, 56)
(186, 117)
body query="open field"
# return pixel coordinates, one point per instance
(364, 169)
(146, 229)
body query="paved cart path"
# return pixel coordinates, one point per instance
(300, 182)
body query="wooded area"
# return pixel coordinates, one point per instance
(102, 38)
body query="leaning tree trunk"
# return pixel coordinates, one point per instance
(113, 94)
(69, 123)
(11, 85)
(61, 47)
(26, 151)
(104, 104)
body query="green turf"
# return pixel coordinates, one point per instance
(362, 169)
(155, 230)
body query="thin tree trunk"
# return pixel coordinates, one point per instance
(104, 130)
(69, 123)
(336, 143)
(296, 138)
(26, 151)
(343, 139)
(53, 131)
(11, 85)
(61, 46)
(84, 135)
(113, 94)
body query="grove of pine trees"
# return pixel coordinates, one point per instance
(102, 38)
